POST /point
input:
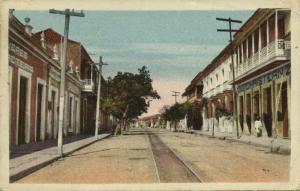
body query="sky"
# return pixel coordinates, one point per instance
(174, 45)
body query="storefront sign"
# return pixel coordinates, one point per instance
(270, 76)
(54, 74)
(17, 50)
(54, 83)
(73, 88)
(20, 63)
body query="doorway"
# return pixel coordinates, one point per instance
(284, 106)
(39, 112)
(241, 113)
(267, 115)
(22, 126)
(75, 117)
(53, 96)
(70, 114)
(248, 111)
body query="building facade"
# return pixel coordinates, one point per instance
(194, 94)
(34, 84)
(29, 73)
(263, 80)
(261, 59)
(218, 92)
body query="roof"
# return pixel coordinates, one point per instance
(226, 51)
(35, 40)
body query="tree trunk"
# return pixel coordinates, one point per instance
(124, 119)
(117, 129)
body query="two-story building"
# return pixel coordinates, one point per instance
(30, 68)
(193, 92)
(73, 84)
(261, 57)
(212, 85)
(34, 84)
(262, 66)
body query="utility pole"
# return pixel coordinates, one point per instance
(67, 14)
(175, 95)
(230, 30)
(97, 125)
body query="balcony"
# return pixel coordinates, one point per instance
(274, 51)
(88, 85)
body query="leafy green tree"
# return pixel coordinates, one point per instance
(175, 113)
(178, 111)
(129, 96)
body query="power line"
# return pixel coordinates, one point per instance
(67, 14)
(175, 95)
(230, 30)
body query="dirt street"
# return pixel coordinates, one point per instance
(224, 161)
(142, 156)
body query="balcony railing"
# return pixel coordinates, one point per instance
(88, 85)
(275, 50)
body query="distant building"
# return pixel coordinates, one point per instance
(152, 121)
(194, 94)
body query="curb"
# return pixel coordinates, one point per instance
(32, 169)
(276, 149)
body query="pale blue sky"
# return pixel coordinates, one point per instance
(174, 45)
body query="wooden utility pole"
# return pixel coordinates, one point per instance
(63, 64)
(230, 30)
(175, 95)
(97, 125)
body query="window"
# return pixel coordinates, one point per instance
(240, 54)
(244, 50)
(263, 34)
(272, 28)
(256, 40)
(249, 46)
(281, 28)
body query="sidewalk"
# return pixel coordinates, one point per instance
(20, 166)
(276, 145)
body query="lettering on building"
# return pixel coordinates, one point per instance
(20, 63)
(18, 51)
(54, 74)
(73, 88)
(273, 75)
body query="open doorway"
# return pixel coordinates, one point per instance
(23, 105)
(39, 112)
(248, 111)
(241, 112)
(267, 110)
(284, 106)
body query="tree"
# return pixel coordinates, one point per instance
(178, 111)
(129, 96)
(175, 113)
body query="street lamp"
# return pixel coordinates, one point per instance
(99, 67)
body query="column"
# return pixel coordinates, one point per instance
(259, 44)
(276, 31)
(252, 44)
(91, 73)
(268, 37)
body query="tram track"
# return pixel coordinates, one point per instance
(170, 167)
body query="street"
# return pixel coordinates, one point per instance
(147, 156)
